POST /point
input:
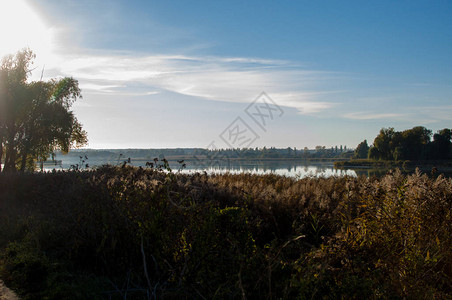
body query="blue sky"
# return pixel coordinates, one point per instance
(177, 73)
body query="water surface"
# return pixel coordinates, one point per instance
(295, 168)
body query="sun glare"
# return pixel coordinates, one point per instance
(22, 27)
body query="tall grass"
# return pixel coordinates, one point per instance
(135, 233)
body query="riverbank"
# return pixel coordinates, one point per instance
(428, 165)
(224, 158)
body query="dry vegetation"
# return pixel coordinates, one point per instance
(138, 233)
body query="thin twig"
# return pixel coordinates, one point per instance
(240, 284)
(145, 265)
(42, 72)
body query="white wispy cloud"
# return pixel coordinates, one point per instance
(217, 78)
(413, 115)
(435, 113)
(228, 79)
(372, 116)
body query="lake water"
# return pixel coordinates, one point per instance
(292, 168)
(298, 169)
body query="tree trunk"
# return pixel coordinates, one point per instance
(10, 151)
(10, 157)
(10, 160)
(1, 153)
(23, 162)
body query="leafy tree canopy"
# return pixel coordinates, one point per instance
(35, 117)
(362, 150)
(411, 144)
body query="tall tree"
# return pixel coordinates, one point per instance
(35, 117)
(362, 150)
(415, 141)
(441, 146)
(382, 145)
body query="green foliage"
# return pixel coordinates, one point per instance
(361, 150)
(411, 144)
(125, 232)
(441, 146)
(382, 143)
(35, 117)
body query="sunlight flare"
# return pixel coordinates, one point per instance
(20, 27)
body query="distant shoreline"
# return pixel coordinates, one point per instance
(268, 159)
(440, 165)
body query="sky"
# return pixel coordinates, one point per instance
(167, 74)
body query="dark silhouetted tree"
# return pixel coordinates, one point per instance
(382, 143)
(35, 117)
(414, 143)
(441, 145)
(362, 150)
(373, 153)
(411, 144)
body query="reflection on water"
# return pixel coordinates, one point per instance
(298, 169)
(291, 169)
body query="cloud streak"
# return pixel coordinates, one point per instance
(372, 116)
(436, 113)
(230, 79)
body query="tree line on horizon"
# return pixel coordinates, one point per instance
(273, 152)
(411, 144)
(320, 152)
